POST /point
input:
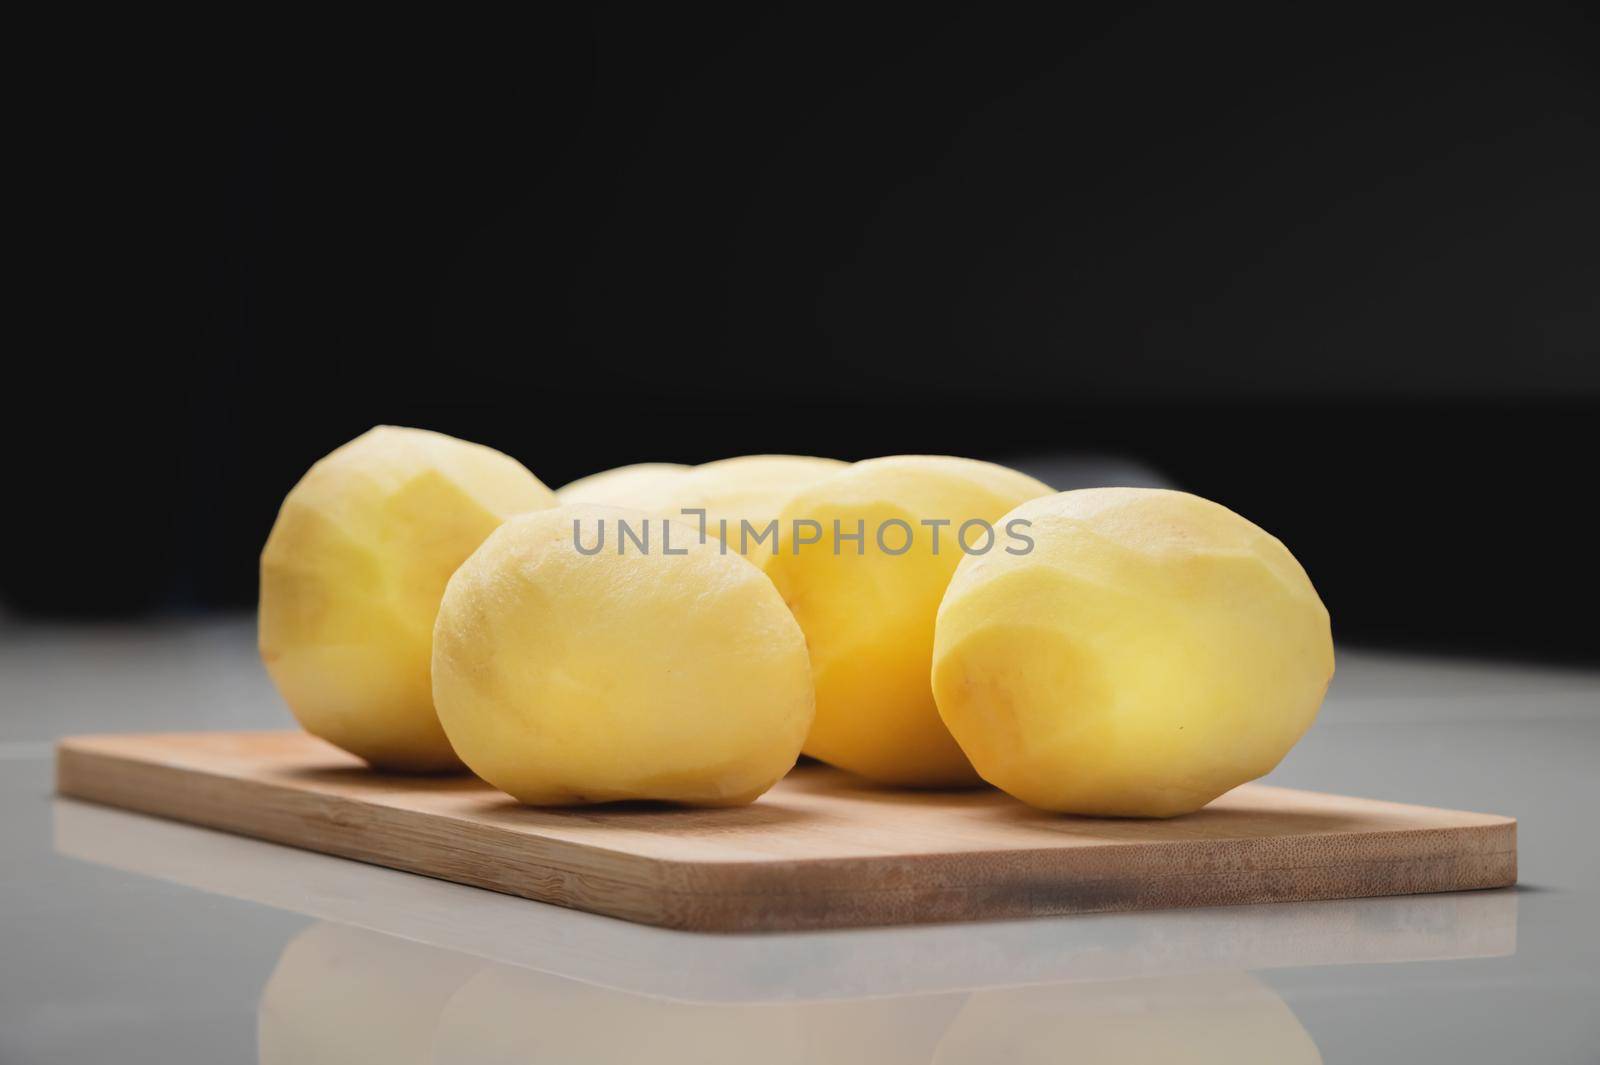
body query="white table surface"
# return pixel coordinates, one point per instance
(128, 939)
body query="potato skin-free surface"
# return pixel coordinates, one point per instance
(1153, 651)
(621, 487)
(563, 677)
(868, 615)
(351, 578)
(747, 488)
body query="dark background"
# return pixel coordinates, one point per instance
(1337, 270)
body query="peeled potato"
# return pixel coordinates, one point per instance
(731, 492)
(621, 486)
(1153, 651)
(351, 579)
(671, 673)
(868, 612)
(749, 489)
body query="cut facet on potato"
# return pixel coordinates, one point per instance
(674, 672)
(1153, 651)
(352, 575)
(624, 486)
(867, 607)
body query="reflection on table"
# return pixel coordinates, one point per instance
(902, 961)
(349, 995)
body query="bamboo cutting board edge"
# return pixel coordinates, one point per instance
(820, 851)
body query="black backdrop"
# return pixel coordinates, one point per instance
(1336, 270)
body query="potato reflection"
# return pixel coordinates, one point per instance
(1229, 1018)
(348, 995)
(505, 1015)
(343, 994)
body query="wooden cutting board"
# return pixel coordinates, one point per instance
(821, 850)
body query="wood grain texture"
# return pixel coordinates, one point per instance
(821, 850)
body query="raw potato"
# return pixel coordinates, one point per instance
(1153, 651)
(563, 677)
(752, 488)
(351, 579)
(621, 486)
(868, 616)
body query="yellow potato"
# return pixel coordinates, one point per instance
(868, 611)
(565, 677)
(749, 488)
(620, 487)
(1151, 652)
(351, 579)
